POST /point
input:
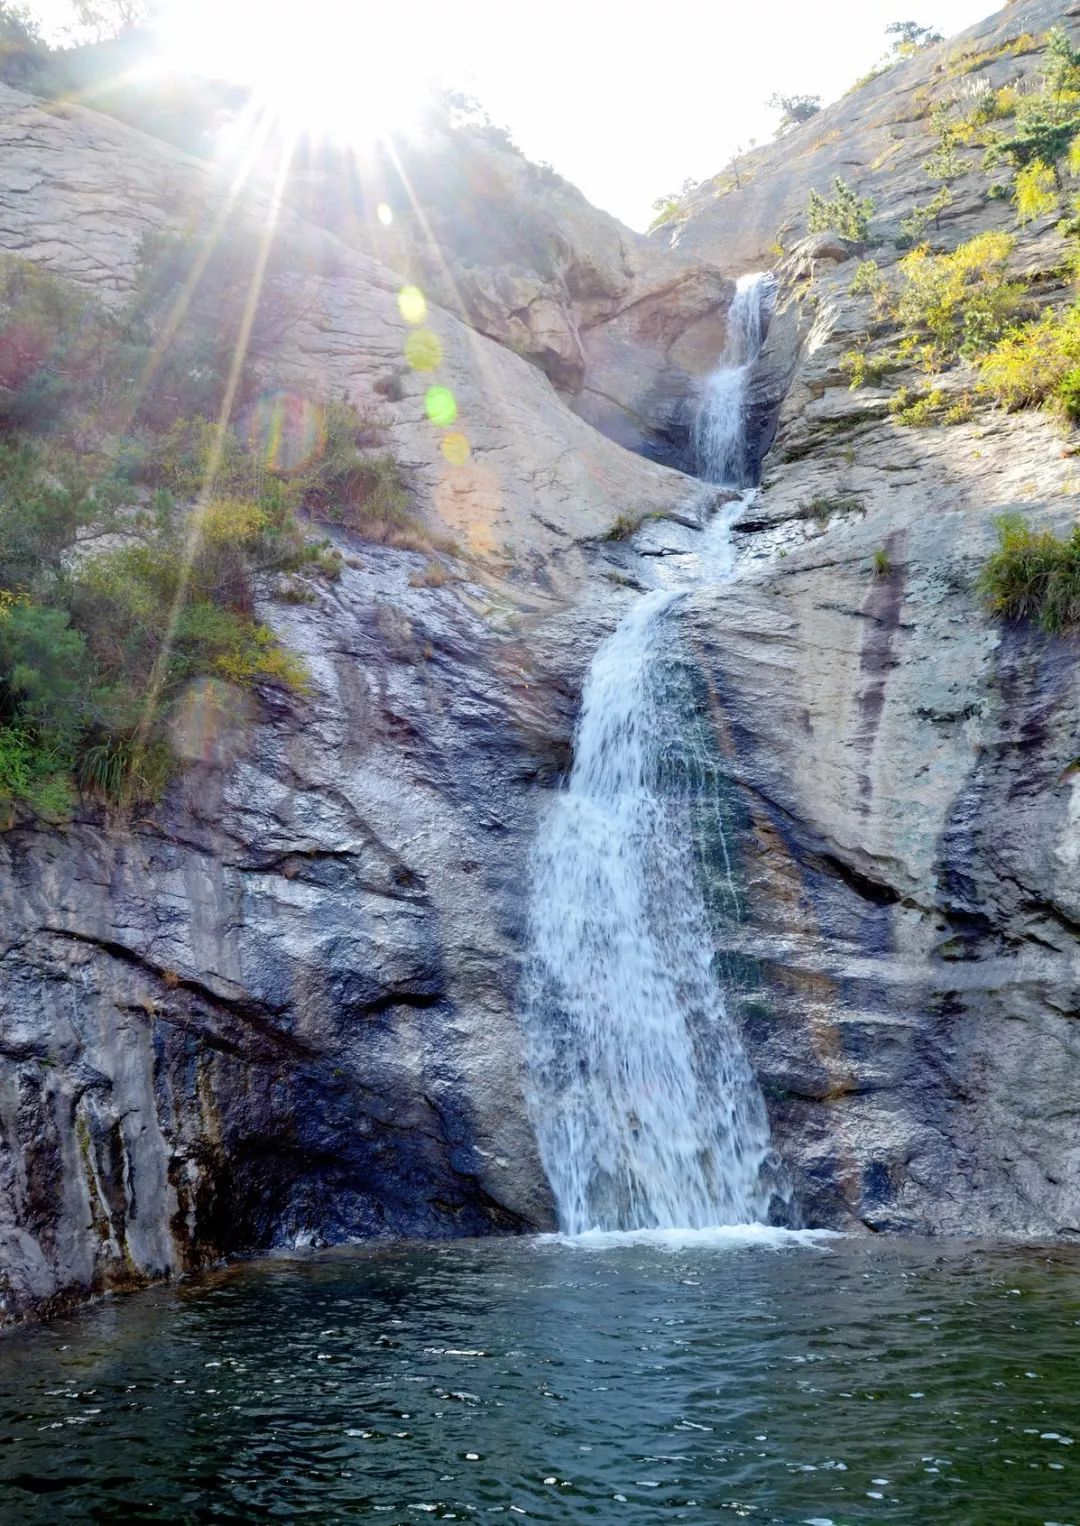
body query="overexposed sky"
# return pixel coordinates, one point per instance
(624, 97)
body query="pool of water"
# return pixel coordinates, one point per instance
(761, 1377)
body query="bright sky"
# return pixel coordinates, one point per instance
(624, 97)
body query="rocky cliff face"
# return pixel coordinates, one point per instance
(280, 1006)
(906, 795)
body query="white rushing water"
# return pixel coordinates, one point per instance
(647, 1112)
(719, 437)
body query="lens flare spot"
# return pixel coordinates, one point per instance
(384, 214)
(423, 350)
(285, 430)
(440, 405)
(208, 721)
(456, 449)
(411, 303)
(469, 502)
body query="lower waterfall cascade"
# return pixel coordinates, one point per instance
(647, 1112)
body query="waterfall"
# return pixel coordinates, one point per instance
(646, 1109)
(721, 449)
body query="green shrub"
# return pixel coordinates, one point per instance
(52, 343)
(95, 648)
(915, 224)
(1043, 129)
(1061, 66)
(866, 370)
(33, 774)
(917, 409)
(39, 514)
(25, 61)
(794, 109)
(882, 564)
(348, 484)
(868, 280)
(1034, 575)
(843, 212)
(945, 164)
(1067, 395)
(963, 301)
(93, 652)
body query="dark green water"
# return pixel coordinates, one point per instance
(847, 1382)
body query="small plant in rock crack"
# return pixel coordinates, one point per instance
(826, 505)
(882, 564)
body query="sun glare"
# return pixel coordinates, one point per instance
(348, 73)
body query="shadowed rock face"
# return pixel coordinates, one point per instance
(904, 825)
(624, 328)
(279, 1007)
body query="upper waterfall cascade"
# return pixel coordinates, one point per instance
(647, 1112)
(721, 446)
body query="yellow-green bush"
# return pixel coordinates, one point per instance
(978, 58)
(1035, 194)
(866, 370)
(1036, 364)
(917, 409)
(961, 301)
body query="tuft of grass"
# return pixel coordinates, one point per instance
(1034, 575)
(433, 575)
(961, 410)
(826, 505)
(882, 564)
(622, 527)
